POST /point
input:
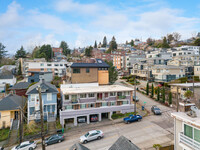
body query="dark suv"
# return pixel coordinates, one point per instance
(156, 110)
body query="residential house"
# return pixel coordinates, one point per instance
(186, 131)
(36, 76)
(20, 88)
(57, 51)
(49, 101)
(7, 79)
(195, 49)
(166, 73)
(9, 109)
(89, 72)
(101, 101)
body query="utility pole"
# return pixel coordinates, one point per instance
(21, 120)
(135, 96)
(177, 101)
(42, 119)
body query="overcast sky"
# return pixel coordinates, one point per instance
(81, 22)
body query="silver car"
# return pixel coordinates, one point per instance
(91, 135)
(28, 145)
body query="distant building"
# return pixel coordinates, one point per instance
(7, 79)
(57, 51)
(20, 88)
(36, 76)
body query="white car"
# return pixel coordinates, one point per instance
(28, 145)
(91, 135)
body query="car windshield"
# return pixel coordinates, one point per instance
(157, 108)
(17, 146)
(86, 135)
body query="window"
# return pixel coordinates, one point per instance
(61, 64)
(125, 102)
(68, 107)
(104, 103)
(76, 70)
(55, 64)
(42, 64)
(188, 131)
(87, 70)
(31, 110)
(106, 95)
(127, 93)
(82, 95)
(74, 98)
(49, 96)
(83, 106)
(197, 135)
(112, 103)
(48, 64)
(66, 97)
(32, 97)
(42, 69)
(91, 95)
(49, 69)
(112, 94)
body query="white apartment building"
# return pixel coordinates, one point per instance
(195, 49)
(186, 131)
(58, 68)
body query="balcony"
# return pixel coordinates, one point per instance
(189, 141)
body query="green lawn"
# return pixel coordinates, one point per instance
(33, 128)
(120, 115)
(4, 134)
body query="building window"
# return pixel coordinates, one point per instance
(188, 131)
(32, 97)
(61, 64)
(67, 97)
(87, 70)
(197, 135)
(106, 95)
(31, 110)
(83, 106)
(104, 103)
(112, 94)
(82, 95)
(42, 69)
(91, 95)
(74, 98)
(42, 64)
(48, 64)
(76, 70)
(49, 96)
(112, 103)
(49, 70)
(68, 107)
(55, 64)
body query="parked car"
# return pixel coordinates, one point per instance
(137, 99)
(1, 148)
(132, 118)
(82, 120)
(91, 135)
(57, 138)
(156, 110)
(27, 145)
(94, 118)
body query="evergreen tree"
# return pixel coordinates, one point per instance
(21, 53)
(2, 51)
(88, 51)
(163, 94)
(158, 94)
(170, 98)
(104, 42)
(165, 43)
(112, 45)
(152, 90)
(197, 42)
(45, 52)
(147, 89)
(65, 47)
(113, 73)
(132, 43)
(95, 44)
(20, 68)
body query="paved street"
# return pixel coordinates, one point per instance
(151, 130)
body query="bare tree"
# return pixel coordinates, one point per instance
(170, 38)
(177, 36)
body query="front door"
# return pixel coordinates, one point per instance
(16, 115)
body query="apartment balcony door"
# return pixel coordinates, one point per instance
(99, 96)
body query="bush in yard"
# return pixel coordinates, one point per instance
(158, 94)
(170, 98)
(152, 91)
(147, 89)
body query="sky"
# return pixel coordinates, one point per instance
(80, 22)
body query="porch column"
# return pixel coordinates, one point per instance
(99, 116)
(75, 121)
(88, 119)
(110, 115)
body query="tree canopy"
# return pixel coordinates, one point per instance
(21, 53)
(2, 52)
(65, 47)
(165, 43)
(104, 42)
(95, 44)
(188, 94)
(112, 45)
(113, 74)
(88, 51)
(43, 52)
(197, 42)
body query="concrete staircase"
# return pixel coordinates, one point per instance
(13, 133)
(51, 127)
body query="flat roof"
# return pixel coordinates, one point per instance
(98, 89)
(187, 119)
(186, 84)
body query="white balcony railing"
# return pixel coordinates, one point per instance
(189, 141)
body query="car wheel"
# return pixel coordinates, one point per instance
(59, 141)
(128, 122)
(139, 120)
(30, 148)
(99, 138)
(85, 142)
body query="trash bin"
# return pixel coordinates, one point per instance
(142, 107)
(63, 130)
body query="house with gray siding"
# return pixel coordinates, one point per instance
(49, 101)
(101, 101)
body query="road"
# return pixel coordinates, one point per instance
(151, 130)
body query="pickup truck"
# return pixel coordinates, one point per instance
(132, 118)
